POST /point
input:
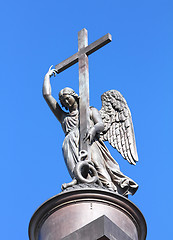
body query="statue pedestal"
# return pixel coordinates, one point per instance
(87, 212)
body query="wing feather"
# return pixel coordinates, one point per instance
(118, 129)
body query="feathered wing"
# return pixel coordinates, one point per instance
(118, 129)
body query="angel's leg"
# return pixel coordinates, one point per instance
(104, 177)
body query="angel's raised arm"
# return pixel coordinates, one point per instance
(53, 104)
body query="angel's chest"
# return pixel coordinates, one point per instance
(69, 123)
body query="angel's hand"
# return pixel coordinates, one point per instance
(52, 71)
(90, 135)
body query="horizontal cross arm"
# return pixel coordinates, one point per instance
(97, 44)
(67, 63)
(86, 50)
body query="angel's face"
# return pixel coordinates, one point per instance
(68, 100)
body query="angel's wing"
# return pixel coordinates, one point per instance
(118, 129)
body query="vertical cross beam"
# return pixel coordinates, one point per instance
(83, 90)
(84, 50)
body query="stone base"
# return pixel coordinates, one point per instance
(87, 212)
(100, 229)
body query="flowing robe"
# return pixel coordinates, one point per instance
(107, 168)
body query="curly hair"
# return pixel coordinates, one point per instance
(67, 91)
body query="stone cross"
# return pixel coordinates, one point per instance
(82, 57)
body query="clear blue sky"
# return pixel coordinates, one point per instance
(138, 63)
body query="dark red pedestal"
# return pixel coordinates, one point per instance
(91, 212)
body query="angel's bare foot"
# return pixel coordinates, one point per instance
(63, 186)
(70, 184)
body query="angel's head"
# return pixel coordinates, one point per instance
(68, 98)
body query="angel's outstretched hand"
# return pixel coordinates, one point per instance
(52, 71)
(90, 135)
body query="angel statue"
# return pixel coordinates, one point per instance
(113, 123)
